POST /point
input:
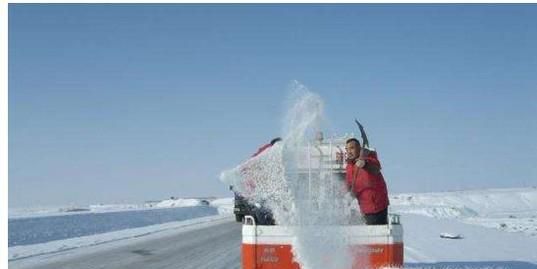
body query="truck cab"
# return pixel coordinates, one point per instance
(242, 207)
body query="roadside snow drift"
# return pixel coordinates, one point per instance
(512, 210)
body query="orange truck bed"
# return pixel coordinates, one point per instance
(270, 247)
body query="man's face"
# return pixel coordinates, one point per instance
(353, 150)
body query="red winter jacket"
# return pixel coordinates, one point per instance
(368, 185)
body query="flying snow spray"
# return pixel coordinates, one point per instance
(301, 193)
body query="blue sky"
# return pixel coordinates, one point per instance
(126, 103)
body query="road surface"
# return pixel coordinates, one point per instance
(217, 245)
(213, 247)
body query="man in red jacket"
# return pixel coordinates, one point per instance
(366, 183)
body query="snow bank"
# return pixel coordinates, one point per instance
(224, 205)
(484, 202)
(178, 203)
(35, 212)
(512, 210)
(114, 207)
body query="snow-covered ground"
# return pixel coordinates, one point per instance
(179, 203)
(498, 229)
(224, 205)
(511, 210)
(480, 247)
(32, 212)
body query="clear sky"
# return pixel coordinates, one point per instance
(126, 103)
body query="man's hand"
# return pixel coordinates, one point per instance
(360, 163)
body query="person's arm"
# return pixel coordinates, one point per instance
(372, 165)
(368, 161)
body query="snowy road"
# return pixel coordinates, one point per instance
(498, 230)
(216, 246)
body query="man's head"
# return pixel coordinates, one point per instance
(352, 147)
